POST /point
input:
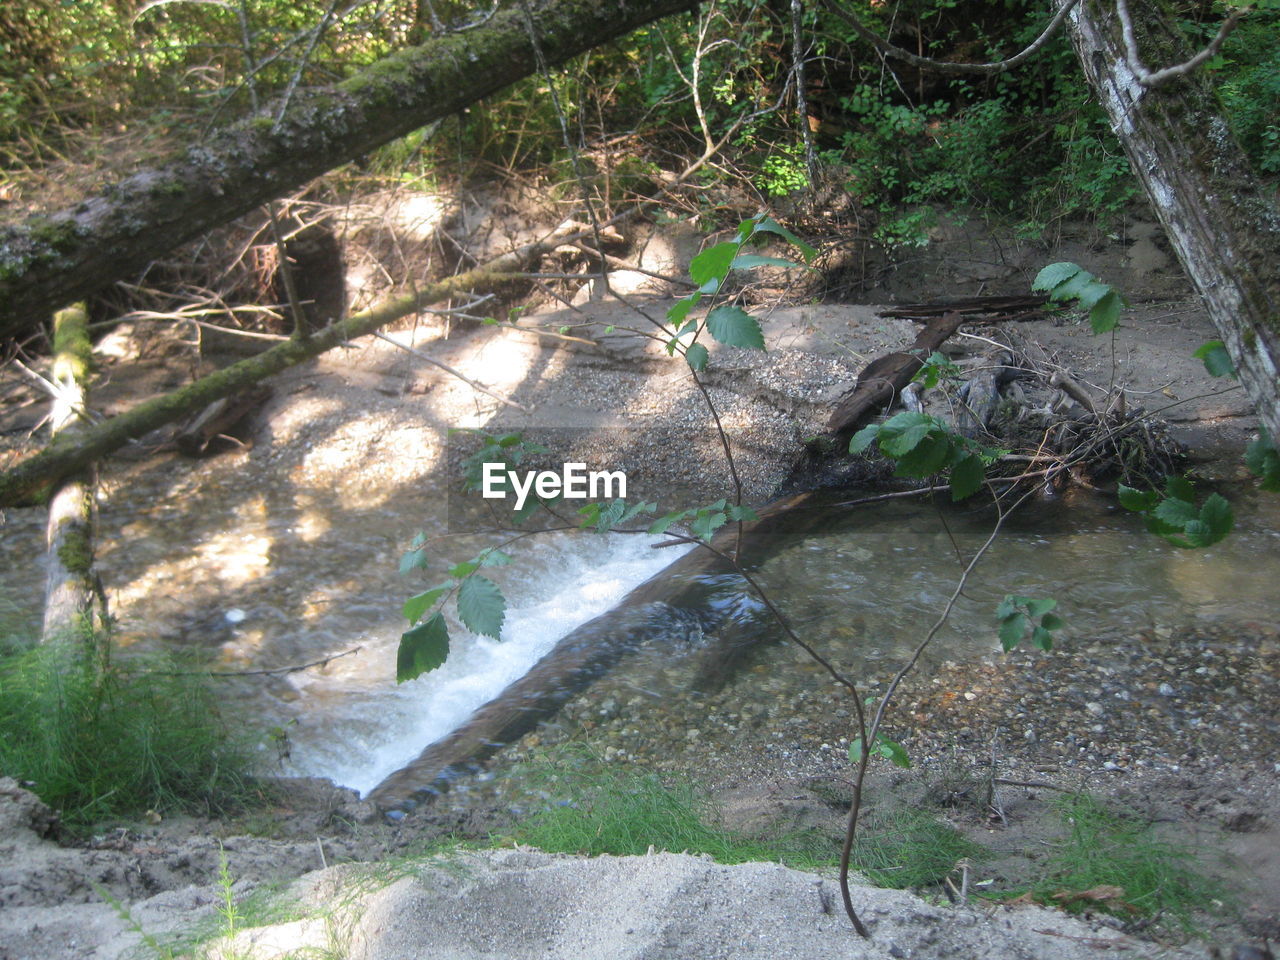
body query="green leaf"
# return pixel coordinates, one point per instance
(1042, 639)
(1073, 286)
(892, 751)
(493, 557)
(1216, 359)
(1093, 291)
(481, 606)
(682, 307)
(1041, 606)
(1106, 313)
(423, 648)
(1054, 274)
(1176, 512)
(464, 569)
(1012, 630)
(899, 440)
(967, 477)
(415, 607)
(769, 225)
(1009, 606)
(741, 513)
(1051, 621)
(1179, 488)
(1263, 460)
(1138, 501)
(696, 356)
(736, 327)
(659, 526)
(413, 560)
(863, 438)
(707, 522)
(1218, 517)
(713, 263)
(926, 459)
(747, 261)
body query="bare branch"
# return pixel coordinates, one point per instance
(942, 66)
(1147, 77)
(453, 371)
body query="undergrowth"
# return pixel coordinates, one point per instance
(98, 741)
(1112, 860)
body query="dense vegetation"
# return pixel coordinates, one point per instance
(91, 88)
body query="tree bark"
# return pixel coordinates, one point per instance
(49, 261)
(20, 484)
(68, 603)
(1219, 217)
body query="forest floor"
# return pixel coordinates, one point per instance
(1201, 763)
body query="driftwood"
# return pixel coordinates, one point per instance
(37, 474)
(1025, 307)
(978, 398)
(218, 421)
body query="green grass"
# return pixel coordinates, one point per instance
(907, 849)
(1105, 847)
(97, 742)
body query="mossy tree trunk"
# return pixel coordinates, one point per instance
(41, 473)
(1221, 220)
(69, 593)
(49, 261)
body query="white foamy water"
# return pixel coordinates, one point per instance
(356, 730)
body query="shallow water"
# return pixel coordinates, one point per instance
(265, 577)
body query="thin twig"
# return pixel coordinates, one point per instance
(450, 370)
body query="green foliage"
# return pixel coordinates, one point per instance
(704, 521)
(1174, 515)
(906, 849)
(937, 368)
(924, 446)
(1248, 72)
(1216, 359)
(1022, 616)
(1263, 460)
(1107, 848)
(116, 740)
(1067, 281)
(881, 747)
(594, 809)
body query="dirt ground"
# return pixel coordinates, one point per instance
(359, 408)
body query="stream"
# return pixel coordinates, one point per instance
(271, 578)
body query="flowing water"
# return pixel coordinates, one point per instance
(263, 579)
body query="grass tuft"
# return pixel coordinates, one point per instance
(907, 849)
(97, 741)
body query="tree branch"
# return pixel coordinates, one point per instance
(1147, 77)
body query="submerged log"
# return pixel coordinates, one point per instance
(694, 596)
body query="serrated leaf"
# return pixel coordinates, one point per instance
(1042, 639)
(681, 308)
(769, 225)
(1263, 460)
(713, 263)
(1012, 630)
(1040, 606)
(1106, 313)
(697, 356)
(659, 526)
(1176, 512)
(893, 751)
(416, 606)
(707, 522)
(967, 477)
(1179, 488)
(1092, 292)
(1007, 607)
(1073, 286)
(413, 560)
(926, 459)
(1051, 621)
(463, 569)
(1216, 359)
(481, 606)
(900, 435)
(735, 327)
(1054, 274)
(747, 261)
(1217, 515)
(1138, 501)
(863, 438)
(423, 648)
(493, 557)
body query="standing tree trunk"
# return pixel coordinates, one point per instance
(1222, 223)
(68, 604)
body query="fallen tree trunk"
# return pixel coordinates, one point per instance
(1220, 218)
(51, 260)
(68, 599)
(31, 477)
